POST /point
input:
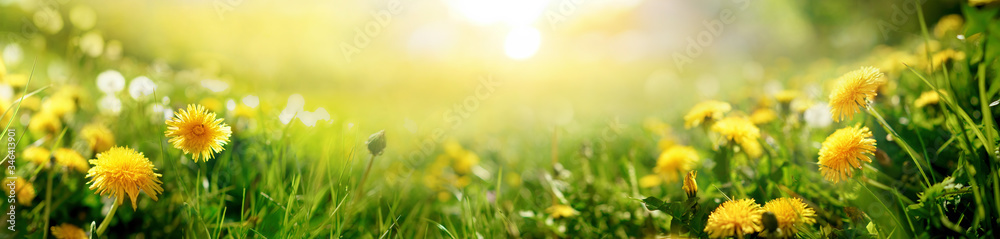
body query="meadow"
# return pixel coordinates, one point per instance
(242, 120)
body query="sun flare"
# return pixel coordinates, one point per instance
(522, 43)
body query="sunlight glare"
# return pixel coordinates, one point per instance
(511, 12)
(522, 43)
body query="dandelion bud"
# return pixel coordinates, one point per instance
(690, 185)
(376, 142)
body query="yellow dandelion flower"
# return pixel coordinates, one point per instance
(791, 214)
(844, 150)
(25, 192)
(675, 161)
(70, 159)
(15, 80)
(461, 181)
(752, 148)
(6, 119)
(28, 103)
(927, 98)
(98, 137)
(651, 180)
(763, 116)
(665, 143)
(690, 185)
(71, 92)
(453, 148)
(512, 179)
(444, 196)
(656, 126)
(198, 132)
(561, 211)
(786, 96)
(4, 104)
(735, 218)
(122, 170)
(944, 56)
(765, 102)
(463, 163)
(801, 105)
(68, 231)
(741, 131)
(706, 111)
(922, 48)
(44, 123)
(38, 155)
(854, 90)
(951, 23)
(736, 129)
(897, 61)
(244, 111)
(434, 174)
(59, 106)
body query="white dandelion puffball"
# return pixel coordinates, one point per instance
(110, 82)
(92, 44)
(818, 116)
(110, 104)
(251, 101)
(140, 87)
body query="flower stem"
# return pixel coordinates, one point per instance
(364, 177)
(48, 201)
(107, 219)
(722, 165)
(48, 185)
(902, 143)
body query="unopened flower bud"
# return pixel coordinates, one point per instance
(690, 185)
(376, 142)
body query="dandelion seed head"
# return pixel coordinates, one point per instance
(110, 82)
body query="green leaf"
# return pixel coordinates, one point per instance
(653, 203)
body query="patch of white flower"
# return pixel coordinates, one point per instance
(109, 104)
(6, 92)
(818, 116)
(251, 101)
(92, 43)
(110, 82)
(141, 87)
(12, 55)
(214, 85)
(295, 108)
